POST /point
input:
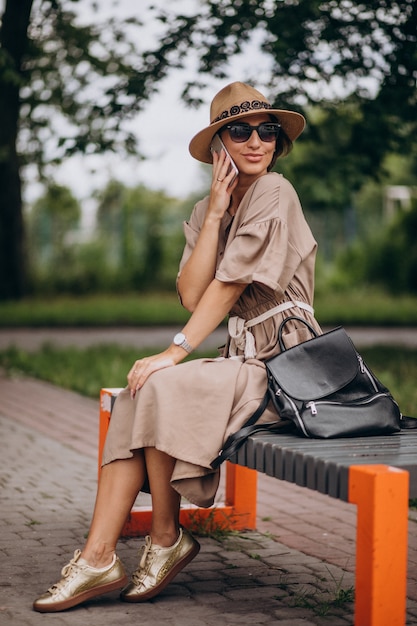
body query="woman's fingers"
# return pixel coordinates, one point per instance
(222, 171)
(138, 375)
(143, 368)
(221, 163)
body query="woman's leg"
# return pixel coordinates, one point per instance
(169, 547)
(119, 485)
(97, 570)
(165, 500)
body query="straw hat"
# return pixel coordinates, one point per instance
(235, 102)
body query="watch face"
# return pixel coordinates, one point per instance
(179, 338)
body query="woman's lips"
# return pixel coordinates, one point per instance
(253, 158)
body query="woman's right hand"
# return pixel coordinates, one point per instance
(200, 269)
(221, 185)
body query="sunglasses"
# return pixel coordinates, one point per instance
(240, 131)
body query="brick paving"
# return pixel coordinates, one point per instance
(287, 573)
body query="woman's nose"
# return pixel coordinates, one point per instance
(254, 139)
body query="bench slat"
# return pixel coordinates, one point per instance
(323, 464)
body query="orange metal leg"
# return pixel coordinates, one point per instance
(238, 511)
(241, 491)
(381, 493)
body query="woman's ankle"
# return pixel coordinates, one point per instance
(98, 556)
(166, 538)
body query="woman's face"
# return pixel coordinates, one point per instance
(253, 156)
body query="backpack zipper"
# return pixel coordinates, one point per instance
(313, 406)
(298, 419)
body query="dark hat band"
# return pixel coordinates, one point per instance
(238, 109)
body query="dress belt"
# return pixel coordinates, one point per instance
(240, 336)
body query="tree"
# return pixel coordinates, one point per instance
(12, 47)
(54, 217)
(48, 62)
(132, 223)
(350, 67)
(323, 168)
(321, 51)
(386, 257)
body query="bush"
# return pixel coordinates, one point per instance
(387, 259)
(80, 270)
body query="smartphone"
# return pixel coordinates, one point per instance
(216, 146)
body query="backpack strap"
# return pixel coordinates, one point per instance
(408, 422)
(234, 441)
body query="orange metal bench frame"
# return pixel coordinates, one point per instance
(381, 495)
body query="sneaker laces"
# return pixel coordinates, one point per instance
(144, 563)
(68, 571)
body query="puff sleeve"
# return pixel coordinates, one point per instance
(270, 237)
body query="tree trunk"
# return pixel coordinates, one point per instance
(13, 41)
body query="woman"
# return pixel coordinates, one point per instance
(249, 254)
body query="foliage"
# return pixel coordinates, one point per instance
(387, 257)
(321, 603)
(82, 269)
(142, 232)
(51, 221)
(216, 524)
(83, 370)
(83, 77)
(136, 243)
(68, 86)
(318, 52)
(324, 168)
(393, 260)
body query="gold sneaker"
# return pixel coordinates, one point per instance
(158, 566)
(79, 583)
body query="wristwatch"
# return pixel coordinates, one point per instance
(181, 340)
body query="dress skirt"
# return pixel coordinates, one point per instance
(187, 411)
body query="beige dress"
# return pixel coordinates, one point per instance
(189, 410)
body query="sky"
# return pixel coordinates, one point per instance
(164, 129)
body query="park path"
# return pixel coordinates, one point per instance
(33, 338)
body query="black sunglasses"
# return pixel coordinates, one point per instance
(240, 131)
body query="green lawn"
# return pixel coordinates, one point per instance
(88, 370)
(361, 307)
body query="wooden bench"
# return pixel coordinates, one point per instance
(378, 474)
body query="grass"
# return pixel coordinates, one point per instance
(211, 525)
(322, 603)
(366, 307)
(312, 597)
(98, 310)
(360, 307)
(88, 370)
(85, 371)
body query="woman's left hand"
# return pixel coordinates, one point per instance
(143, 368)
